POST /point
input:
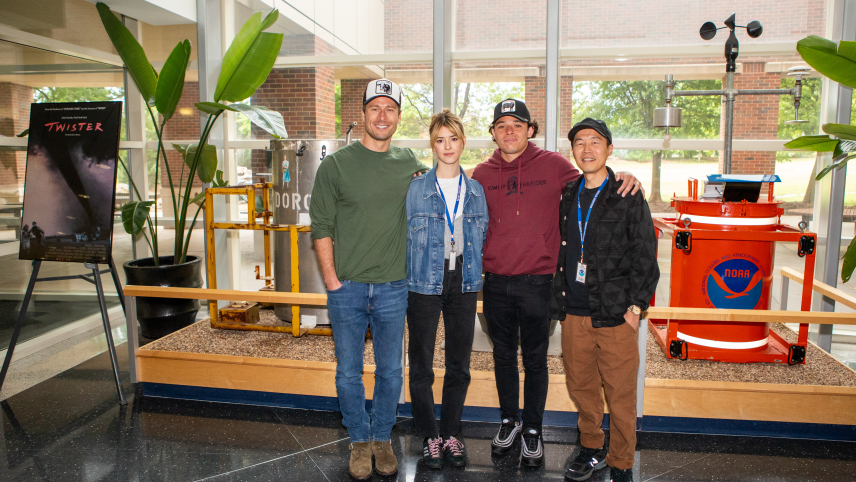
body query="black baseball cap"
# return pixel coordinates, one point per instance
(513, 107)
(589, 123)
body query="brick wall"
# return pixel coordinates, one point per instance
(304, 96)
(408, 26)
(15, 103)
(515, 25)
(755, 117)
(352, 105)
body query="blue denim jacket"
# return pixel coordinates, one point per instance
(426, 225)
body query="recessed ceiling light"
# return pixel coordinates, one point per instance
(621, 60)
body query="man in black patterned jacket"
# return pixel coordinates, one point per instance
(606, 275)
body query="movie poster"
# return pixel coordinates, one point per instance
(70, 185)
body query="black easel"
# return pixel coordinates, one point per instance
(94, 278)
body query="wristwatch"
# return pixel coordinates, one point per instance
(635, 310)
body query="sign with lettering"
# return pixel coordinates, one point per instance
(70, 184)
(736, 282)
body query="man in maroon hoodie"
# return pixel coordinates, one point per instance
(523, 185)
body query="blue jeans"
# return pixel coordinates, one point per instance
(353, 308)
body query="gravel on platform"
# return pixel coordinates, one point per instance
(819, 369)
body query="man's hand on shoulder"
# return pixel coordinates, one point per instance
(631, 185)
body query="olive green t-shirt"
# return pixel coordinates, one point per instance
(359, 201)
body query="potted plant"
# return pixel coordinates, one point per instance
(246, 65)
(839, 64)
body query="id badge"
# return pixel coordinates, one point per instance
(581, 273)
(452, 258)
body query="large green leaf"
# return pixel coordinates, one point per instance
(248, 60)
(823, 56)
(263, 117)
(813, 143)
(171, 80)
(134, 216)
(841, 131)
(131, 52)
(839, 158)
(213, 108)
(847, 49)
(849, 261)
(207, 168)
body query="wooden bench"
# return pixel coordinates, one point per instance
(807, 213)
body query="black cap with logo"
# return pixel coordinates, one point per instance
(589, 123)
(513, 107)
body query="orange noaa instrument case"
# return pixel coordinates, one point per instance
(723, 248)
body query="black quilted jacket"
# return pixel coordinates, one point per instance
(622, 270)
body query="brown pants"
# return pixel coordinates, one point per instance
(607, 357)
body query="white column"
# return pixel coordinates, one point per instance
(551, 102)
(135, 122)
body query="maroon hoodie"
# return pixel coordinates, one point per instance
(523, 204)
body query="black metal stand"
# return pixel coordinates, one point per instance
(94, 278)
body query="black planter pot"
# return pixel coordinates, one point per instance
(161, 316)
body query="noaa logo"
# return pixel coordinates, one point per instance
(735, 283)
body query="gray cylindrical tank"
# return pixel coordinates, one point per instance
(294, 164)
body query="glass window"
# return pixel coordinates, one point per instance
(32, 75)
(500, 26)
(320, 28)
(644, 24)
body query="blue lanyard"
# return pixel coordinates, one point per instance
(449, 220)
(583, 228)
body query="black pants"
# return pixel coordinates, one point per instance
(459, 315)
(518, 308)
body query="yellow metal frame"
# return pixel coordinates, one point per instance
(252, 225)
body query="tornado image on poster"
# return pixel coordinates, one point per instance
(70, 184)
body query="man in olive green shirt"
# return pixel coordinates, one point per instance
(359, 226)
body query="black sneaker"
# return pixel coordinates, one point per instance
(508, 432)
(533, 449)
(432, 452)
(455, 452)
(618, 475)
(587, 461)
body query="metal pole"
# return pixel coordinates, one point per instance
(729, 122)
(133, 336)
(117, 283)
(552, 85)
(640, 375)
(21, 315)
(108, 332)
(783, 299)
(443, 38)
(831, 256)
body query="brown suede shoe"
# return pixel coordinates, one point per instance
(360, 465)
(385, 462)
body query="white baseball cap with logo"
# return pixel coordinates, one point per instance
(382, 88)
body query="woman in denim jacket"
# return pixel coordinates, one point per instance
(446, 226)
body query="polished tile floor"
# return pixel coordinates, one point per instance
(71, 428)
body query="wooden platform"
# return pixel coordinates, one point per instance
(689, 399)
(675, 405)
